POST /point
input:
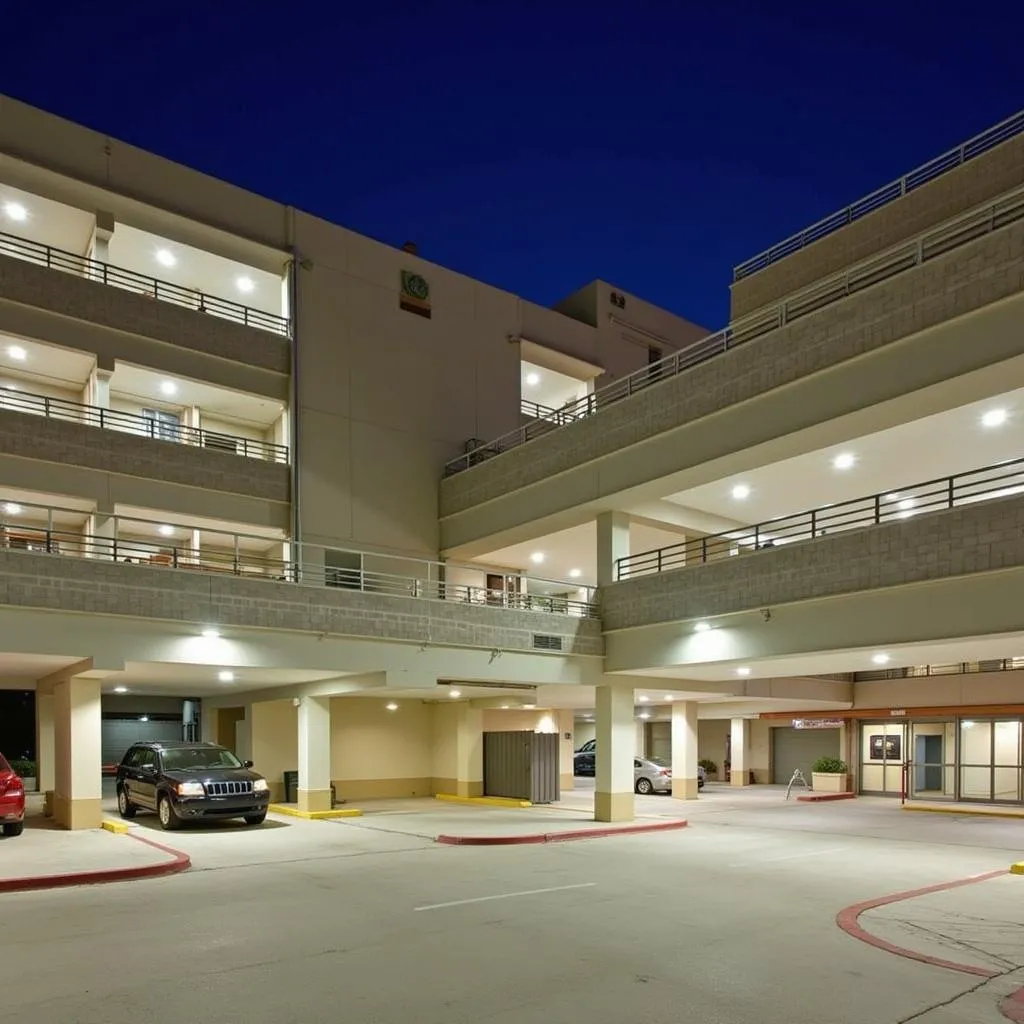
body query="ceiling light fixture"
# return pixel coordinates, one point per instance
(245, 284)
(392, 706)
(537, 557)
(743, 671)
(120, 689)
(529, 707)
(844, 460)
(12, 509)
(166, 531)
(17, 353)
(144, 718)
(16, 211)
(211, 634)
(642, 698)
(454, 693)
(701, 627)
(668, 696)
(994, 418)
(645, 714)
(166, 258)
(533, 379)
(168, 387)
(575, 574)
(881, 659)
(740, 492)
(226, 677)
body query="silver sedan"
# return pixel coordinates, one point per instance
(654, 775)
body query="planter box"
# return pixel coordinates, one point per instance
(30, 784)
(827, 782)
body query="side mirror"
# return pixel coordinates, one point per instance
(149, 769)
(247, 764)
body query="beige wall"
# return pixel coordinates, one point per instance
(274, 739)
(711, 742)
(972, 688)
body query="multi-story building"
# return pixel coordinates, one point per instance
(362, 509)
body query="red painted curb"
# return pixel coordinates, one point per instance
(847, 920)
(534, 838)
(811, 798)
(179, 862)
(1012, 1007)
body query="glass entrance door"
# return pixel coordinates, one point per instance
(932, 752)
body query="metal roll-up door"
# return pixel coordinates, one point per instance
(118, 734)
(800, 748)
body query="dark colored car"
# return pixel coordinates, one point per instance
(189, 781)
(12, 800)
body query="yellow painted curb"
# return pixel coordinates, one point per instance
(294, 812)
(1018, 868)
(981, 812)
(117, 827)
(485, 801)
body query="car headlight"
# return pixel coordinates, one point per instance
(260, 786)
(190, 789)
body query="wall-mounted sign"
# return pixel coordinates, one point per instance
(898, 712)
(415, 294)
(884, 748)
(817, 723)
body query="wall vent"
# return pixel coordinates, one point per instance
(546, 642)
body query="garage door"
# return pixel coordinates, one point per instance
(800, 748)
(120, 733)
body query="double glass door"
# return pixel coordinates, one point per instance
(990, 760)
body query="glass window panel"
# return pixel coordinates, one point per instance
(976, 783)
(1006, 783)
(1006, 741)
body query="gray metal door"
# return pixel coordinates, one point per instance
(800, 748)
(522, 766)
(118, 734)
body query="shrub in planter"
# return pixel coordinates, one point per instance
(829, 775)
(709, 766)
(26, 769)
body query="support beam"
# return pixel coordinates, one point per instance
(315, 754)
(612, 544)
(739, 752)
(684, 750)
(77, 800)
(616, 748)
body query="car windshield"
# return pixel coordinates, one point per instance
(661, 762)
(194, 759)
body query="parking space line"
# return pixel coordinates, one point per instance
(788, 856)
(505, 896)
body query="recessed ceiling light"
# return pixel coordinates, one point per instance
(166, 531)
(504, 707)
(454, 693)
(245, 284)
(168, 387)
(120, 689)
(743, 671)
(701, 627)
(211, 633)
(642, 698)
(226, 677)
(537, 557)
(994, 418)
(144, 718)
(17, 353)
(392, 706)
(533, 379)
(881, 659)
(844, 460)
(529, 707)
(575, 574)
(16, 211)
(668, 696)
(12, 509)
(166, 258)
(741, 491)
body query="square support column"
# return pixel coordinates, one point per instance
(616, 749)
(684, 750)
(315, 754)
(739, 753)
(612, 544)
(45, 753)
(458, 761)
(77, 798)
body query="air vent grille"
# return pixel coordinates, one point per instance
(546, 642)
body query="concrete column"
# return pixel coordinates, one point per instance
(739, 762)
(612, 544)
(102, 528)
(315, 754)
(45, 742)
(97, 389)
(77, 741)
(684, 750)
(458, 762)
(566, 748)
(616, 748)
(99, 243)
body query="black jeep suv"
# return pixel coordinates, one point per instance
(187, 781)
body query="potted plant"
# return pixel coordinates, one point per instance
(829, 775)
(28, 770)
(709, 766)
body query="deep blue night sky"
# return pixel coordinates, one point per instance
(539, 145)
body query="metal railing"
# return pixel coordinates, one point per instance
(36, 528)
(952, 669)
(536, 411)
(935, 168)
(985, 484)
(933, 243)
(141, 284)
(142, 426)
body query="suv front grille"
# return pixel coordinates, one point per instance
(228, 788)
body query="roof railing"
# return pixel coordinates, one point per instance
(935, 242)
(935, 168)
(999, 481)
(141, 284)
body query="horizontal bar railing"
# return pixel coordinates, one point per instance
(935, 495)
(141, 284)
(143, 426)
(39, 529)
(933, 243)
(536, 411)
(935, 168)
(951, 669)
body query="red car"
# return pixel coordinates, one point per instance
(12, 800)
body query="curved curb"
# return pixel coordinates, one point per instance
(847, 919)
(179, 862)
(1012, 1007)
(535, 838)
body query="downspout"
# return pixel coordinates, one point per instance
(293, 390)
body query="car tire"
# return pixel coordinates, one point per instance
(125, 807)
(14, 828)
(169, 820)
(644, 786)
(256, 819)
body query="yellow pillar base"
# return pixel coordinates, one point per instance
(567, 782)
(613, 806)
(314, 799)
(739, 778)
(76, 814)
(685, 789)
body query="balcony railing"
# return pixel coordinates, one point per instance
(986, 484)
(953, 669)
(141, 284)
(933, 243)
(536, 411)
(44, 529)
(143, 426)
(988, 139)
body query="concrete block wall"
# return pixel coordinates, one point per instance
(75, 444)
(81, 299)
(969, 278)
(107, 588)
(971, 539)
(985, 177)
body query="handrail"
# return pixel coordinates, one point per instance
(130, 423)
(984, 484)
(914, 179)
(142, 284)
(945, 669)
(934, 242)
(126, 540)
